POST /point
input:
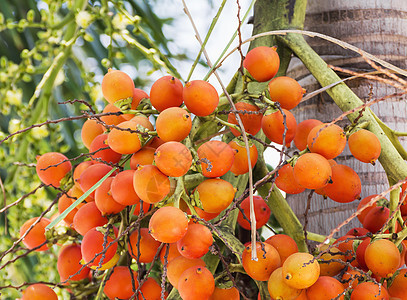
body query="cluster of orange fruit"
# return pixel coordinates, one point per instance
(163, 152)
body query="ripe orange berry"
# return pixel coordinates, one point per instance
(122, 188)
(228, 293)
(262, 63)
(173, 124)
(150, 184)
(121, 284)
(104, 200)
(196, 283)
(327, 140)
(327, 265)
(261, 211)
(105, 155)
(39, 291)
(240, 163)
(151, 290)
(215, 194)
(346, 185)
(90, 129)
(364, 146)
(145, 156)
(144, 249)
(285, 91)
(360, 253)
(382, 257)
(376, 218)
(117, 85)
(178, 265)
(398, 287)
(52, 167)
(312, 171)
(88, 217)
(63, 203)
(196, 241)
(326, 288)
(94, 242)
(351, 278)
(172, 252)
(345, 245)
(168, 224)
(200, 97)
(166, 92)
(79, 170)
(278, 289)
(303, 129)
(251, 121)
(365, 211)
(369, 290)
(286, 182)
(124, 141)
(68, 264)
(173, 159)
(284, 244)
(267, 261)
(36, 236)
(200, 213)
(156, 142)
(302, 296)
(76, 193)
(216, 158)
(358, 231)
(300, 270)
(273, 126)
(112, 119)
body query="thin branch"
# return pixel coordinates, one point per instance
(356, 213)
(208, 34)
(322, 36)
(239, 33)
(22, 198)
(371, 77)
(28, 231)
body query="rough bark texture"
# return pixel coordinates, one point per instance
(377, 27)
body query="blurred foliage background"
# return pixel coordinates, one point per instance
(52, 51)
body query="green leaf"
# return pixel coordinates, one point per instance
(80, 200)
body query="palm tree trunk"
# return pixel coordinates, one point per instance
(377, 27)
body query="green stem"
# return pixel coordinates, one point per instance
(401, 236)
(399, 133)
(144, 112)
(144, 33)
(227, 124)
(317, 237)
(99, 294)
(211, 27)
(151, 54)
(392, 137)
(66, 20)
(394, 201)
